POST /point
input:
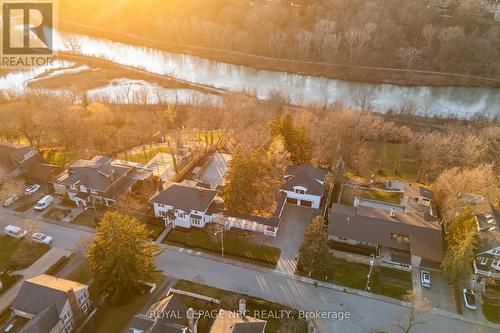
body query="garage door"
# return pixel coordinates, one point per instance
(305, 203)
(291, 201)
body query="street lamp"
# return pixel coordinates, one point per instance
(221, 231)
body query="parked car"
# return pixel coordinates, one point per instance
(44, 202)
(32, 189)
(469, 299)
(41, 238)
(425, 279)
(10, 199)
(14, 231)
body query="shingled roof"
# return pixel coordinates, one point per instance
(42, 322)
(186, 198)
(231, 322)
(307, 176)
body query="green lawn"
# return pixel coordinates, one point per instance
(8, 281)
(17, 254)
(155, 230)
(354, 275)
(144, 155)
(88, 218)
(492, 312)
(229, 301)
(60, 158)
(57, 213)
(379, 195)
(237, 245)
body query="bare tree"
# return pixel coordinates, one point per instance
(72, 45)
(351, 37)
(428, 33)
(409, 55)
(418, 312)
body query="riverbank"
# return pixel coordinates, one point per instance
(363, 74)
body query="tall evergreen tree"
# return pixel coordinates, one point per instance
(314, 256)
(121, 257)
(296, 138)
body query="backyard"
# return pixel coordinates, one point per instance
(143, 154)
(229, 301)
(17, 254)
(380, 195)
(237, 245)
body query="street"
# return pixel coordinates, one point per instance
(366, 314)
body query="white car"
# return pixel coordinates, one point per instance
(14, 231)
(425, 279)
(41, 238)
(32, 189)
(469, 299)
(44, 202)
(11, 199)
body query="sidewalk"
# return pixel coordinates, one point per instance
(39, 267)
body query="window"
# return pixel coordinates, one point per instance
(496, 265)
(299, 191)
(484, 260)
(400, 238)
(162, 213)
(81, 299)
(85, 308)
(69, 327)
(65, 317)
(181, 215)
(196, 220)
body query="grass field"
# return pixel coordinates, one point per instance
(229, 301)
(18, 254)
(236, 245)
(57, 213)
(60, 158)
(384, 196)
(143, 155)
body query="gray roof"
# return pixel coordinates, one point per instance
(376, 226)
(11, 154)
(97, 173)
(185, 198)
(42, 322)
(33, 298)
(426, 193)
(307, 176)
(489, 225)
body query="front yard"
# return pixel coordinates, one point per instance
(354, 275)
(255, 307)
(57, 213)
(25, 203)
(17, 254)
(237, 245)
(491, 303)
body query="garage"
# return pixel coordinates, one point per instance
(292, 201)
(306, 203)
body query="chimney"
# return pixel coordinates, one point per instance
(393, 212)
(243, 308)
(73, 304)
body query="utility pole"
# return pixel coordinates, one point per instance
(221, 231)
(368, 277)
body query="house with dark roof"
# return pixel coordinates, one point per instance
(304, 185)
(169, 315)
(180, 205)
(184, 206)
(49, 304)
(23, 160)
(402, 238)
(100, 180)
(486, 263)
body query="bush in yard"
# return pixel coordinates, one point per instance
(122, 257)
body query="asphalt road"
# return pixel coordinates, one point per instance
(366, 314)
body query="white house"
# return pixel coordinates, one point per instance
(184, 206)
(304, 185)
(51, 304)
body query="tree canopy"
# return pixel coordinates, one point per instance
(314, 257)
(122, 257)
(296, 138)
(462, 236)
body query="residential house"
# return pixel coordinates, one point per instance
(399, 238)
(51, 305)
(100, 180)
(237, 322)
(184, 206)
(486, 263)
(23, 160)
(168, 315)
(304, 185)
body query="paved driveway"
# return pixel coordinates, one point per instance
(291, 234)
(440, 294)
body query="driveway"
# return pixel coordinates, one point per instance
(440, 294)
(291, 235)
